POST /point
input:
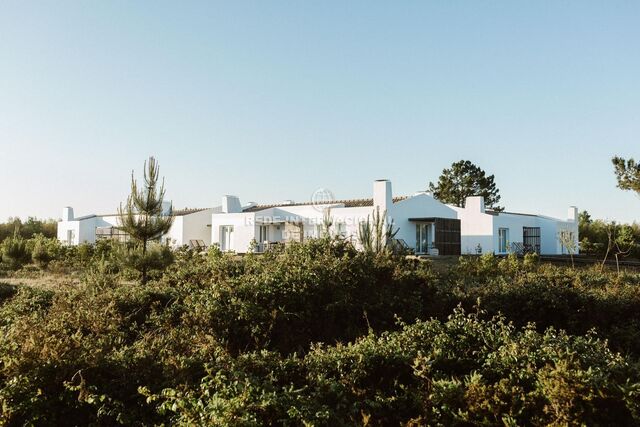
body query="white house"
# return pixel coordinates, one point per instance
(190, 227)
(424, 223)
(484, 230)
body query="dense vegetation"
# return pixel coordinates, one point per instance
(602, 239)
(29, 228)
(319, 334)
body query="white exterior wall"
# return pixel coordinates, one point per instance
(419, 206)
(192, 226)
(244, 229)
(246, 224)
(479, 228)
(176, 233)
(195, 226)
(476, 228)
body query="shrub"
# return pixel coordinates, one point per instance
(320, 291)
(14, 252)
(311, 335)
(465, 371)
(44, 250)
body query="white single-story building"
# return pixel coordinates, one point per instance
(485, 230)
(424, 224)
(190, 227)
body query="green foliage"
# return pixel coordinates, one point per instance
(138, 263)
(464, 179)
(320, 291)
(376, 235)
(44, 250)
(29, 228)
(321, 334)
(142, 217)
(464, 371)
(599, 238)
(627, 174)
(14, 251)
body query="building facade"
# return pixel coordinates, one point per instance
(423, 224)
(190, 227)
(485, 230)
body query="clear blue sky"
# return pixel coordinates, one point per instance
(271, 100)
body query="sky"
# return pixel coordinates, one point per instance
(272, 100)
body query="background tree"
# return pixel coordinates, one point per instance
(142, 217)
(464, 179)
(627, 173)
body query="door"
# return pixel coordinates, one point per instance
(531, 239)
(423, 238)
(263, 234)
(503, 240)
(71, 237)
(226, 238)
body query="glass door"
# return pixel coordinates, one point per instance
(503, 240)
(226, 238)
(423, 238)
(264, 234)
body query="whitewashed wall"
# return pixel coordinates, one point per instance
(482, 228)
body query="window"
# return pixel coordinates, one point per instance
(423, 238)
(263, 234)
(319, 230)
(71, 236)
(567, 241)
(531, 239)
(341, 229)
(226, 237)
(503, 240)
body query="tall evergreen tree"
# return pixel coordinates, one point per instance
(464, 179)
(142, 217)
(627, 173)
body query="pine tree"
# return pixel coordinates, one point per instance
(464, 179)
(142, 217)
(627, 174)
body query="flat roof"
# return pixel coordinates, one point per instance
(348, 203)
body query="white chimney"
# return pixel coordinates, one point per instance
(572, 214)
(382, 196)
(475, 204)
(67, 213)
(231, 204)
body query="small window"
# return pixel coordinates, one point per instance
(341, 229)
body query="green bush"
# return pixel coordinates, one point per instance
(320, 291)
(15, 252)
(314, 334)
(465, 371)
(44, 250)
